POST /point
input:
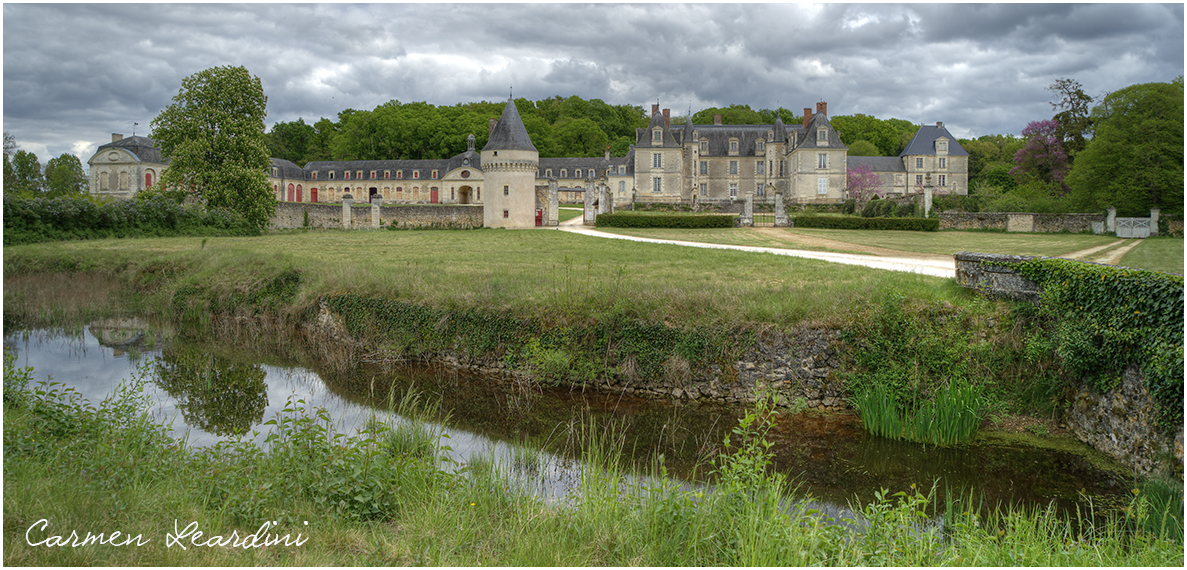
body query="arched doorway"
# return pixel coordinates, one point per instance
(464, 195)
(371, 194)
(292, 195)
(300, 194)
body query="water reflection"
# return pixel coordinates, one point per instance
(211, 394)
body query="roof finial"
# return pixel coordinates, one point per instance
(510, 92)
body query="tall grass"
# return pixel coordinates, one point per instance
(107, 468)
(951, 417)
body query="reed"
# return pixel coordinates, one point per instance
(951, 417)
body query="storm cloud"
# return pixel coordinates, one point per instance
(75, 73)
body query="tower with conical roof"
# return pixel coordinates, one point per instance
(509, 164)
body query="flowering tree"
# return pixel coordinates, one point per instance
(861, 182)
(1043, 158)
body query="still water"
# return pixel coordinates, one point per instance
(206, 394)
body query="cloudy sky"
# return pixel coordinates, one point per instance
(75, 73)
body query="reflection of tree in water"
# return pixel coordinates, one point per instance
(213, 393)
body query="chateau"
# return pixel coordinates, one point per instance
(804, 162)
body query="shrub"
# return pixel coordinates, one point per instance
(31, 220)
(661, 221)
(853, 223)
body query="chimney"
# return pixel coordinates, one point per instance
(667, 118)
(491, 126)
(607, 153)
(940, 124)
(654, 109)
(116, 137)
(717, 119)
(807, 116)
(824, 108)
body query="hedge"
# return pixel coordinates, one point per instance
(664, 221)
(31, 220)
(1108, 318)
(854, 223)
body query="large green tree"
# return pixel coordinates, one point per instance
(213, 135)
(1074, 126)
(1135, 158)
(64, 176)
(27, 175)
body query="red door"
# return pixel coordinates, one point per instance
(313, 195)
(300, 194)
(433, 195)
(291, 196)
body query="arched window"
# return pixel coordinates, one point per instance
(300, 194)
(292, 196)
(102, 181)
(123, 181)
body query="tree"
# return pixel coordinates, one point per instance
(27, 177)
(10, 147)
(862, 182)
(864, 148)
(1135, 158)
(290, 141)
(213, 135)
(1043, 158)
(1074, 122)
(64, 176)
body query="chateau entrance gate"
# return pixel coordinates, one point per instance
(1133, 227)
(764, 219)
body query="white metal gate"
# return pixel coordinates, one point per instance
(1133, 227)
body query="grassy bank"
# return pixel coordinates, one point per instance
(382, 498)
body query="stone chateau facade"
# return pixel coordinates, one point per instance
(805, 163)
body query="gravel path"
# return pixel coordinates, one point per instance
(939, 266)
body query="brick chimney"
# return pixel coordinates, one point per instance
(607, 153)
(824, 108)
(940, 124)
(717, 119)
(491, 126)
(807, 116)
(667, 118)
(116, 137)
(654, 109)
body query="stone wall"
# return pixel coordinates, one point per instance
(991, 274)
(291, 215)
(1020, 222)
(1122, 425)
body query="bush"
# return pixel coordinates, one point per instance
(661, 221)
(852, 223)
(31, 220)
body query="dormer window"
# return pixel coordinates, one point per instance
(415, 174)
(358, 174)
(577, 173)
(434, 175)
(822, 135)
(548, 173)
(941, 145)
(621, 169)
(696, 135)
(331, 175)
(733, 147)
(346, 175)
(387, 174)
(770, 135)
(315, 175)
(399, 174)
(704, 147)
(373, 175)
(274, 172)
(564, 173)
(657, 136)
(758, 146)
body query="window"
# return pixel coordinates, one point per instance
(822, 186)
(346, 175)
(506, 190)
(919, 180)
(760, 189)
(434, 175)
(387, 174)
(919, 162)
(358, 174)
(943, 162)
(734, 190)
(704, 167)
(758, 167)
(782, 167)
(657, 185)
(373, 177)
(399, 174)
(758, 146)
(657, 160)
(399, 188)
(733, 146)
(942, 146)
(822, 135)
(548, 173)
(657, 136)
(273, 172)
(452, 195)
(577, 173)
(704, 147)
(416, 174)
(621, 187)
(315, 175)
(822, 160)
(621, 169)
(943, 180)
(704, 189)
(506, 214)
(733, 167)
(564, 173)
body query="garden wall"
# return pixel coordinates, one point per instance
(291, 215)
(1020, 222)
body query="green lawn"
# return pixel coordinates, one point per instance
(1157, 254)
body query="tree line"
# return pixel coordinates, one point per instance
(24, 176)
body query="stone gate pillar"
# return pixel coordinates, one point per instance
(553, 214)
(591, 215)
(927, 201)
(604, 206)
(1154, 212)
(1111, 221)
(780, 213)
(376, 219)
(347, 202)
(747, 218)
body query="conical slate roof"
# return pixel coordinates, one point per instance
(509, 133)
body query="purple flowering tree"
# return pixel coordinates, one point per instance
(1043, 158)
(862, 182)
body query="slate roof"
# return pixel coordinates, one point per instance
(806, 138)
(878, 163)
(643, 136)
(718, 137)
(143, 148)
(924, 142)
(287, 169)
(600, 164)
(509, 133)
